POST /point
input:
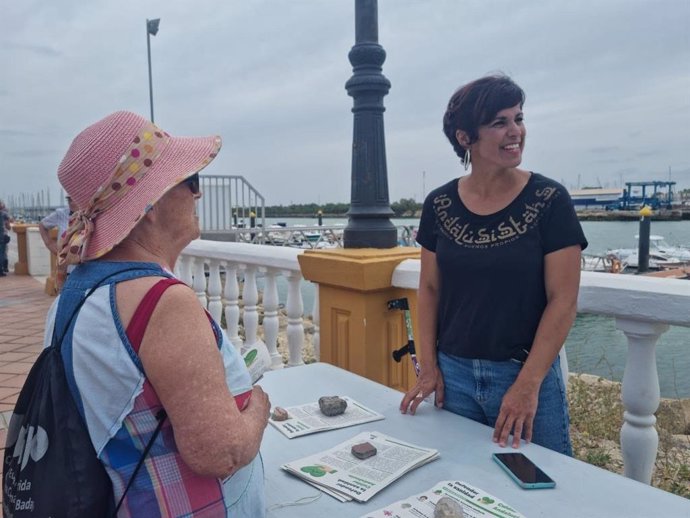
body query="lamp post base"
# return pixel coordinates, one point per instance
(370, 233)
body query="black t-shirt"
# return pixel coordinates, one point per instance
(492, 292)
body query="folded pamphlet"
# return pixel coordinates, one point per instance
(257, 360)
(338, 473)
(475, 503)
(308, 418)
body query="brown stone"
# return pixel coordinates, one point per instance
(279, 414)
(363, 450)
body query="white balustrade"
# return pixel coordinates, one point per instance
(199, 281)
(215, 306)
(183, 269)
(295, 327)
(271, 320)
(643, 308)
(250, 296)
(640, 392)
(232, 304)
(248, 262)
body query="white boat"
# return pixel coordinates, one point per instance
(660, 244)
(661, 254)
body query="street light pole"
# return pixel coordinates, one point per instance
(369, 224)
(151, 28)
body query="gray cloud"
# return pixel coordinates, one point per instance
(40, 50)
(604, 149)
(608, 81)
(6, 132)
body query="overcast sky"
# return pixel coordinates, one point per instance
(607, 84)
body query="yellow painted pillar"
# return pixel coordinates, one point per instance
(51, 287)
(358, 332)
(21, 267)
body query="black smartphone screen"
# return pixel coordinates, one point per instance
(523, 468)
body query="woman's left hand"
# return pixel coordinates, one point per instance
(516, 415)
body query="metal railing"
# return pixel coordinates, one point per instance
(229, 202)
(309, 237)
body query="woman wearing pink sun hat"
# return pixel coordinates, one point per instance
(142, 346)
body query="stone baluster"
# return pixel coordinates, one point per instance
(231, 293)
(639, 438)
(199, 283)
(215, 306)
(271, 323)
(183, 269)
(295, 327)
(316, 339)
(250, 297)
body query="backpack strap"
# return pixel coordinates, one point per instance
(142, 315)
(135, 332)
(57, 340)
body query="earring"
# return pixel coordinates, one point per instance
(467, 159)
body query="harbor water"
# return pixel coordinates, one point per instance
(594, 345)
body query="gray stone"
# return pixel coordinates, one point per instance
(332, 405)
(446, 507)
(279, 414)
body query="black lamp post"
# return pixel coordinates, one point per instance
(151, 28)
(369, 224)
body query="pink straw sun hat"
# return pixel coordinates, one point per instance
(115, 170)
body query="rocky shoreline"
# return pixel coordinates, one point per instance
(596, 413)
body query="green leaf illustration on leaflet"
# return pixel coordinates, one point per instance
(250, 357)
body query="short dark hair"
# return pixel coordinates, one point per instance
(476, 104)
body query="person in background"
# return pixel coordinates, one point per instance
(5, 221)
(59, 219)
(142, 343)
(500, 271)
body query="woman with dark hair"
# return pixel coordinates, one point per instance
(500, 271)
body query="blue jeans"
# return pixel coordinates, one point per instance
(475, 389)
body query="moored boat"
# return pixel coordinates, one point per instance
(661, 254)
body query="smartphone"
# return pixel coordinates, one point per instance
(523, 471)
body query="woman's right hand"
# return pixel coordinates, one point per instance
(259, 406)
(430, 380)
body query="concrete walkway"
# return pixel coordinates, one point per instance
(23, 308)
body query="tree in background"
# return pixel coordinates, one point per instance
(406, 207)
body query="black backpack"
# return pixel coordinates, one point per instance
(50, 467)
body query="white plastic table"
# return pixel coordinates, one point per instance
(582, 490)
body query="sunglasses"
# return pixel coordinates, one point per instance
(193, 183)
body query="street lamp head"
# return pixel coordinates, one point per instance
(152, 26)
